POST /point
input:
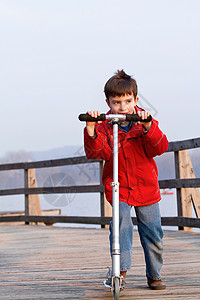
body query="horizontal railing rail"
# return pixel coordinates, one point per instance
(166, 221)
(48, 163)
(54, 190)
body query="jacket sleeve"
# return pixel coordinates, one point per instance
(155, 141)
(97, 148)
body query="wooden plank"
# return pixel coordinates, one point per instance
(61, 162)
(70, 263)
(33, 199)
(184, 164)
(187, 171)
(26, 194)
(182, 145)
(12, 166)
(58, 219)
(179, 183)
(166, 221)
(48, 163)
(54, 190)
(188, 195)
(49, 212)
(102, 194)
(106, 208)
(181, 221)
(46, 212)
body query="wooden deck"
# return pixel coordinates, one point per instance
(38, 262)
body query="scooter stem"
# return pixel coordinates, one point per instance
(115, 201)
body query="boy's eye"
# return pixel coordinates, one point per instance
(118, 102)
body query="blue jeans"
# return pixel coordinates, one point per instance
(150, 232)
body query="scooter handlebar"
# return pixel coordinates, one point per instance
(88, 118)
(136, 118)
(103, 117)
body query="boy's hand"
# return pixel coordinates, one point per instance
(90, 126)
(144, 115)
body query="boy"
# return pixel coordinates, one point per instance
(138, 175)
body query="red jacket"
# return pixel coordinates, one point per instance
(138, 174)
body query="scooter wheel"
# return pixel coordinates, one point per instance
(116, 289)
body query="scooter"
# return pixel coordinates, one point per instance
(115, 119)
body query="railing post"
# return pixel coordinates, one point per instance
(178, 190)
(102, 198)
(26, 195)
(106, 208)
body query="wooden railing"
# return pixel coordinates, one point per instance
(176, 183)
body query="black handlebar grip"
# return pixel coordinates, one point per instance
(136, 118)
(87, 117)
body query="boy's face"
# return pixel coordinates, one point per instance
(122, 105)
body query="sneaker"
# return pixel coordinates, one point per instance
(123, 283)
(123, 277)
(108, 281)
(156, 284)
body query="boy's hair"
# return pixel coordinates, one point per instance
(120, 84)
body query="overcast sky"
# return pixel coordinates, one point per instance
(56, 55)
